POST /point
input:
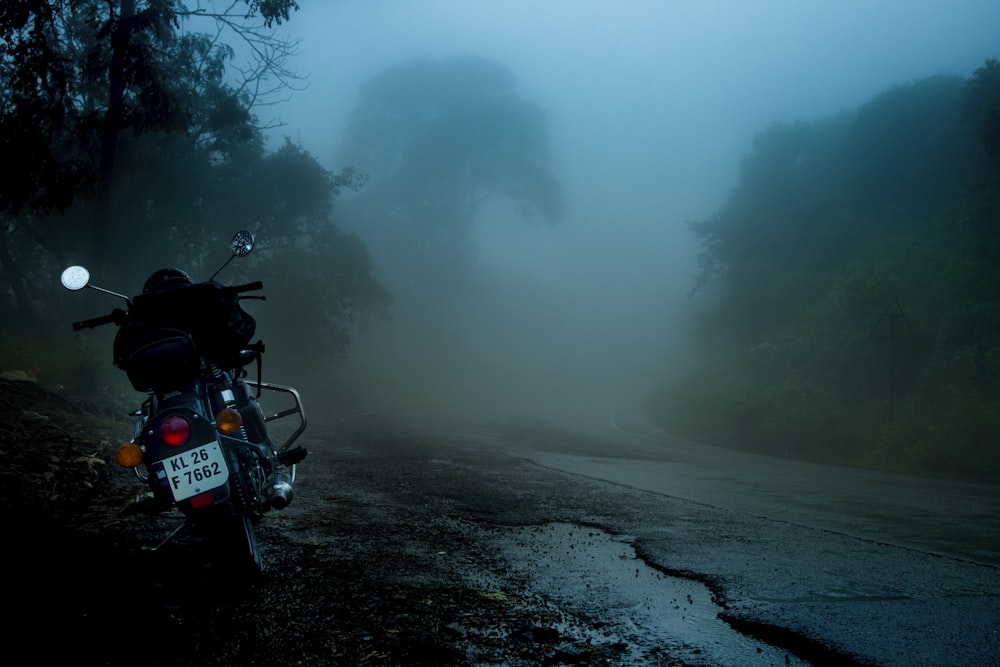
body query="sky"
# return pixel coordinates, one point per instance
(651, 105)
(675, 89)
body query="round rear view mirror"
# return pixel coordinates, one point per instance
(242, 243)
(75, 278)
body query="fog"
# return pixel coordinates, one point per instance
(650, 107)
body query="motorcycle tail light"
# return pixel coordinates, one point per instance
(201, 500)
(175, 430)
(228, 421)
(129, 455)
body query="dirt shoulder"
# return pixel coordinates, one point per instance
(352, 578)
(55, 455)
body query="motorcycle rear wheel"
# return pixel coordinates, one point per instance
(232, 541)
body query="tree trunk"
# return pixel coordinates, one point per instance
(26, 320)
(120, 38)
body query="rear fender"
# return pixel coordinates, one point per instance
(187, 469)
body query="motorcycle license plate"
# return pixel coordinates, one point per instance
(196, 471)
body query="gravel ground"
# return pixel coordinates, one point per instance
(354, 576)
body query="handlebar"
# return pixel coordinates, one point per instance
(116, 316)
(119, 316)
(247, 287)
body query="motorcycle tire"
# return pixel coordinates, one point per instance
(232, 540)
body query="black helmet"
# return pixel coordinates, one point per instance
(165, 278)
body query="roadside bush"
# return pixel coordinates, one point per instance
(81, 365)
(953, 436)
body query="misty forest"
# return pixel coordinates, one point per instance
(854, 274)
(846, 308)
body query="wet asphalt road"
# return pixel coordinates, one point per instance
(721, 558)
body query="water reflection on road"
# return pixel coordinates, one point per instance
(832, 565)
(656, 615)
(891, 569)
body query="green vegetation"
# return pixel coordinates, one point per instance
(132, 144)
(853, 288)
(76, 365)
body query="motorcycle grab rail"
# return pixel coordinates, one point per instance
(297, 410)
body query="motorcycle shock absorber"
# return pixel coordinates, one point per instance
(226, 398)
(251, 486)
(277, 485)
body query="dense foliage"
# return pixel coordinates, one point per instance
(131, 146)
(853, 279)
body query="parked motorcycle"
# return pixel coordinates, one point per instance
(201, 441)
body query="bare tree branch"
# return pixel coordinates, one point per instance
(265, 79)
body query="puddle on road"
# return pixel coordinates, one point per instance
(592, 574)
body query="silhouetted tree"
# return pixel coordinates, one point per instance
(854, 270)
(982, 100)
(781, 229)
(76, 76)
(318, 276)
(982, 105)
(437, 140)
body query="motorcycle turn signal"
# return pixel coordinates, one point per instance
(129, 455)
(228, 421)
